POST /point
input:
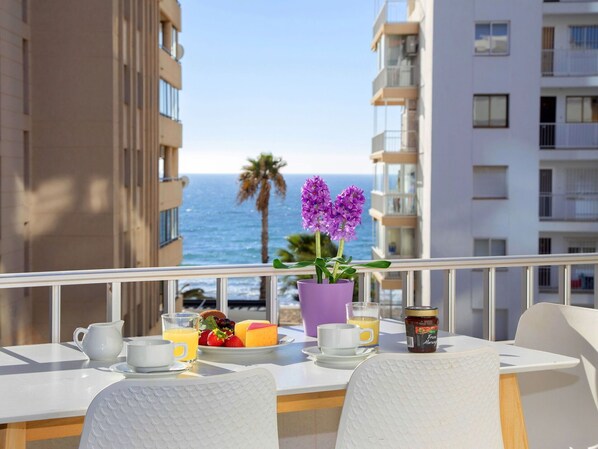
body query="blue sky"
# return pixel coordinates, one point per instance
(288, 77)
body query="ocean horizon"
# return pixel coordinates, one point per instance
(218, 231)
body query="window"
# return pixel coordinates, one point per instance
(490, 182)
(139, 168)
(489, 247)
(139, 90)
(169, 226)
(169, 100)
(584, 37)
(582, 109)
(492, 38)
(490, 111)
(25, 51)
(582, 276)
(544, 247)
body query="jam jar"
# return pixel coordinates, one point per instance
(421, 323)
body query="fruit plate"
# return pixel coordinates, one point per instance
(222, 351)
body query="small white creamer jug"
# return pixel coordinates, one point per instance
(101, 341)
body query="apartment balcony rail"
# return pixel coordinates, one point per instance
(390, 11)
(568, 135)
(569, 206)
(582, 279)
(395, 141)
(395, 203)
(570, 62)
(114, 279)
(395, 76)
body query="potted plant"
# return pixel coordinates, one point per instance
(323, 298)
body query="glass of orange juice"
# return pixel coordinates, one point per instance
(182, 328)
(367, 316)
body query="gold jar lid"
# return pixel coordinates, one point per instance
(421, 311)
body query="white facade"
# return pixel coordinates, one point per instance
(478, 169)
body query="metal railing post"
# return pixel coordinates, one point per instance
(55, 314)
(449, 299)
(170, 297)
(222, 295)
(409, 282)
(367, 287)
(489, 326)
(272, 299)
(565, 284)
(527, 288)
(113, 301)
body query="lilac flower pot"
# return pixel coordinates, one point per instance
(323, 303)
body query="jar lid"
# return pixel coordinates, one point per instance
(421, 311)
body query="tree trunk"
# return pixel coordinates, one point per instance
(264, 249)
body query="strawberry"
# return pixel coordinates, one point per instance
(203, 337)
(234, 342)
(217, 337)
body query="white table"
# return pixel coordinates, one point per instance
(45, 389)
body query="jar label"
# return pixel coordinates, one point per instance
(422, 336)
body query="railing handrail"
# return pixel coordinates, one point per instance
(110, 275)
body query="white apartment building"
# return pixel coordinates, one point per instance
(486, 144)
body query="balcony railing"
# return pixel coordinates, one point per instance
(582, 278)
(114, 279)
(395, 141)
(569, 207)
(570, 62)
(568, 135)
(391, 11)
(395, 76)
(403, 204)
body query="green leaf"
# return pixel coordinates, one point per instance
(375, 264)
(322, 265)
(276, 263)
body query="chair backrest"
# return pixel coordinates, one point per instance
(224, 411)
(561, 406)
(447, 400)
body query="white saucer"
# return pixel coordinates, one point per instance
(128, 371)
(338, 361)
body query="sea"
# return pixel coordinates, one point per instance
(217, 230)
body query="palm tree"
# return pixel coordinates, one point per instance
(256, 180)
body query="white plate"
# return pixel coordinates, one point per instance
(128, 371)
(223, 351)
(338, 361)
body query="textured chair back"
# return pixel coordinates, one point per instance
(408, 401)
(561, 406)
(236, 410)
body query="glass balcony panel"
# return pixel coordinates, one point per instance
(568, 206)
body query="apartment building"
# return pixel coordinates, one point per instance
(90, 133)
(486, 144)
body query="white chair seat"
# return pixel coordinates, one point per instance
(441, 400)
(236, 410)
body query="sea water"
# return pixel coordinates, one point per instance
(217, 230)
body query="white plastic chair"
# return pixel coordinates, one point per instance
(561, 406)
(236, 410)
(441, 400)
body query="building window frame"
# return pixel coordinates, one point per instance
(588, 113)
(490, 111)
(495, 186)
(492, 37)
(169, 226)
(490, 241)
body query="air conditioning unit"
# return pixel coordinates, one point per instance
(411, 45)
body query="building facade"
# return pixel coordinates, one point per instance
(90, 137)
(486, 144)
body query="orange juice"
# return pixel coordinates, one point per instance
(188, 336)
(367, 322)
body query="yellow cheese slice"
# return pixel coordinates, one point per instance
(261, 334)
(241, 328)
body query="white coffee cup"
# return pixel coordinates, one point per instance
(341, 339)
(145, 355)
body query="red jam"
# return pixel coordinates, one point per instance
(421, 324)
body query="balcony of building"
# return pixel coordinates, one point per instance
(401, 146)
(170, 69)
(567, 63)
(393, 18)
(560, 7)
(170, 193)
(170, 10)
(568, 136)
(575, 207)
(396, 84)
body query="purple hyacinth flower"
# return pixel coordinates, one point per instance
(315, 204)
(346, 214)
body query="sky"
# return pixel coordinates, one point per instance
(291, 78)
